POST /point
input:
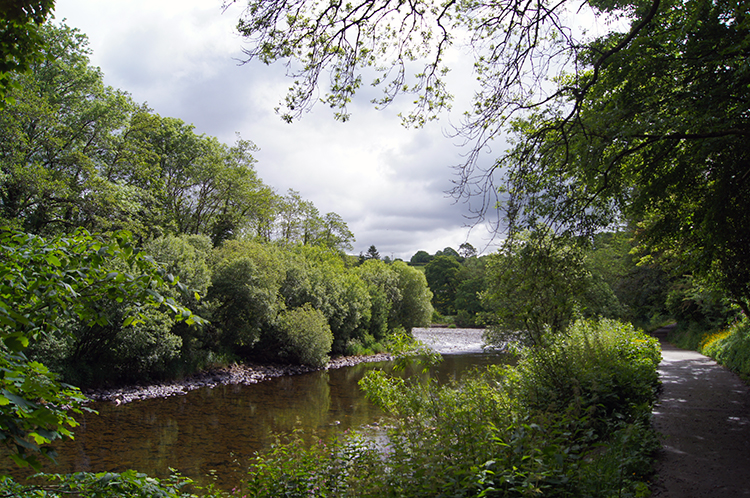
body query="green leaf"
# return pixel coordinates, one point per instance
(16, 342)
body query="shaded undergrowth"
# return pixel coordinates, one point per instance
(729, 346)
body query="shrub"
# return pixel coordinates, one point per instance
(730, 347)
(343, 467)
(493, 433)
(304, 336)
(103, 485)
(317, 276)
(415, 308)
(605, 368)
(244, 296)
(107, 351)
(382, 285)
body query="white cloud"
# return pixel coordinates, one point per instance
(387, 182)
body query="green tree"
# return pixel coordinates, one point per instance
(20, 41)
(535, 286)
(372, 253)
(467, 250)
(415, 308)
(245, 294)
(322, 280)
(335, 233)
(420, 258)
(442, 277)
(449, 251)
(76, 153)
(304, 336)
(297, 219)
(471, 283)
(197, 185)
(658, 137)
(385, 295)
(44, 285)
(648, 122)
(56, 138)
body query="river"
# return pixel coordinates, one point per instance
(216, 431)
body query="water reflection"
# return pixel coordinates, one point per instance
(218, 430)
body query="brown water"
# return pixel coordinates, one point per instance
(216, 431)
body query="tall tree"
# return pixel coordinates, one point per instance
(55, 138)
(648, 122)
(372, 253)
(335, 233)
(20, 41)
(535, 285)
(421, 258)
(442, 277)
(467, 250)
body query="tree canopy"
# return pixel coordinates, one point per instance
(647, 123)
(20, 40)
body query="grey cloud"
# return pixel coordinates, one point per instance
(389, 183)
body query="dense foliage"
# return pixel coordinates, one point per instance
(568, 421)
(20, 40)
(45, 285)
(128, 484)
(266, 273)
(643, 124)
(75, 153)
(643, 128)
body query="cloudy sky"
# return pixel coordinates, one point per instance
(388, 183)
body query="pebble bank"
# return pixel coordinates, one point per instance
(443, 340)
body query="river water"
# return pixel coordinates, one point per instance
(216, 431)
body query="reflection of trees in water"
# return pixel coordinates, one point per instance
(297, 402)
(208, 429)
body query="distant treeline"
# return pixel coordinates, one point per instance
(540, 282)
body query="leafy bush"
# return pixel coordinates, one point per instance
(493, 433)
(47, 284)
(730, 347)
(318, 276)
(342, 467)
(365, 345)
(244, 294)
(535, 285)
(107, 351)
(304, 336)
(415, 308)
(128, 484)
(605, 368)
(385, 295)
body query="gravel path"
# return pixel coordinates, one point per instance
(703, 415)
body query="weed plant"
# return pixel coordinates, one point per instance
(570, 420)
(730, 347)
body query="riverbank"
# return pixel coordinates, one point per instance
(442, 340)
(245, 374)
